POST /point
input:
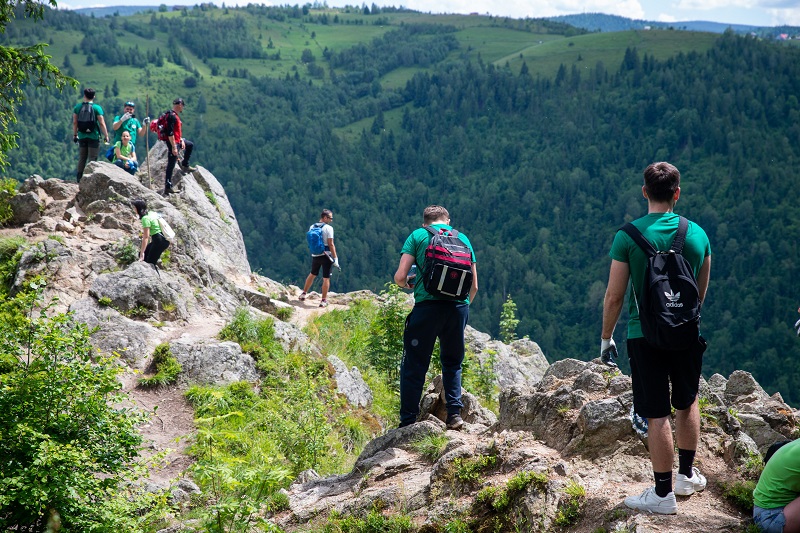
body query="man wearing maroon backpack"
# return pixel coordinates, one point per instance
(172, 133)
(432, 317)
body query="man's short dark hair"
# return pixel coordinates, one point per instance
(178, 101)
(326, 213)
(433, 213)
(89, 93)
(661, 180)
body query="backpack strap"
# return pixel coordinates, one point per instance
(680, 236)
(432, 231)
(677, 242)
(639, 239)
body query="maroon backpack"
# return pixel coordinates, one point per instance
(447, 272)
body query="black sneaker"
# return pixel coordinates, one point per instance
(187, 169)
(168, 190)
(454, 422)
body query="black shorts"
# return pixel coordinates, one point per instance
(652, 371)
(321, 261)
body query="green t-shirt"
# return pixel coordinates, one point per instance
(415, 245)
(98, 111)
(779, 483)
(659, 229)
(150, 220)
(124, 150)
(132, 126)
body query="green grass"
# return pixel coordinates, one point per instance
(585, 51)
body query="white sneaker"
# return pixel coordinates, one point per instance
(302, 296)
(323, 303)
(651, 502)
(686, 486)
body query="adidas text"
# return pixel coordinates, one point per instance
(673, 304)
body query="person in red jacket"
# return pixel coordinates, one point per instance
(175, 142)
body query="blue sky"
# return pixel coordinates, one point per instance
(754, 12)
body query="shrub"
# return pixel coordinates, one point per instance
(740, 494)
(569, 511)
(385, 349)
(509, 321)
(431, 446)
(126, 252)
(166, 366)
(8, 189)
(284, 313)
(69, 455)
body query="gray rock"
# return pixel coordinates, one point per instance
(27, 207)
(350, 383)
(143, 287)
(433, 402)
(134, 341)
(212, 362)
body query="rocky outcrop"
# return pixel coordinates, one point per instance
(519, 363)
(572, 428)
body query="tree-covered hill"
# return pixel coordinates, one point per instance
(532, 133)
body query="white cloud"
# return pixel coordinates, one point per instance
(664, 17)
(708, 5)
(789, 17)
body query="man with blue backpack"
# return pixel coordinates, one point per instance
(668, 262)
(323, 255)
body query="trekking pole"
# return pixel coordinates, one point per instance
(147, 141)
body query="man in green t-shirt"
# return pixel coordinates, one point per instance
(776, 498)
(127, 122)
(432, 318)
(88, 141)
(653, 370)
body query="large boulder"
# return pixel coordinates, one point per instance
(114, 333)
(350, 384)
(212, 362)
(141, 290)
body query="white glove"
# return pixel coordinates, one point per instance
(336, 263)
(797, 325)
(146, 121)
(124, 117)
(608, 352)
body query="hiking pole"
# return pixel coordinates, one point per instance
(147, 141)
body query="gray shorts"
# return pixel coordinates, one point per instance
(769, 520)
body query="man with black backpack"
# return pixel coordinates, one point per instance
(668, 261)
(87, 125)
(172, 135)
(445, 262)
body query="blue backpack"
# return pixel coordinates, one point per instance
(316, 243)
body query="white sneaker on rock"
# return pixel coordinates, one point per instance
(686, 486)
(651, 502)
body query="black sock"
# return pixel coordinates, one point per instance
(685, 462)
(663, 483)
